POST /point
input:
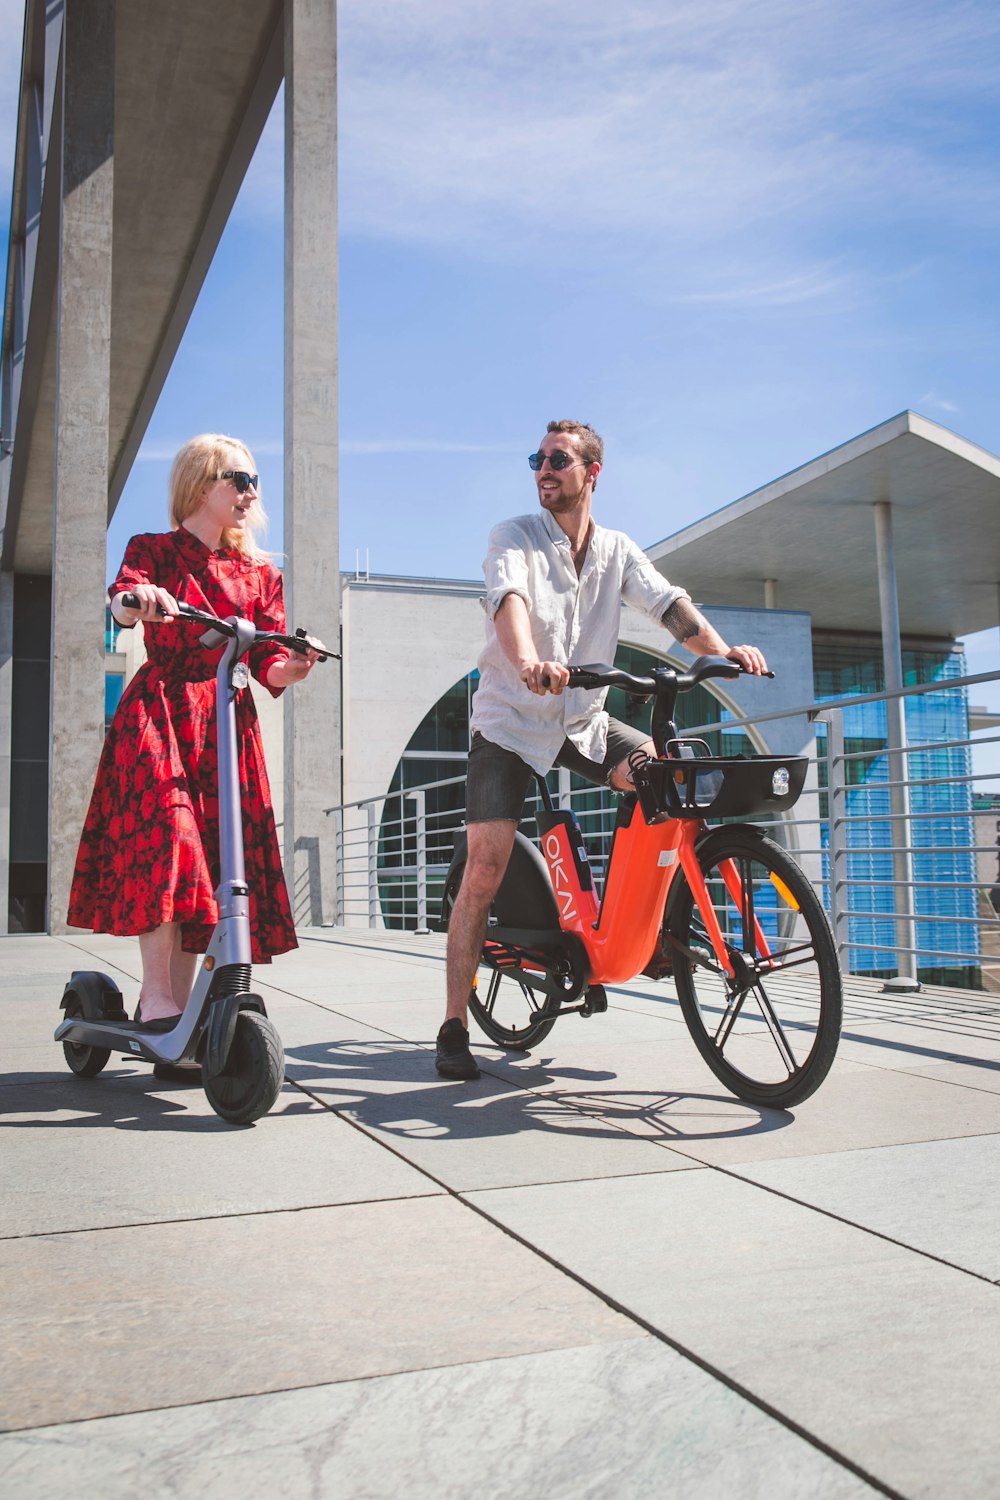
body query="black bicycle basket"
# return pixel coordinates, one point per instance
(719, 786)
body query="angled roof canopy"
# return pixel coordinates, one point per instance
(812, 532)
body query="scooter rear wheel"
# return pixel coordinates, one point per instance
(254, 1072)
(86, 1062)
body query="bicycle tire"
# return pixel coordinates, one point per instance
(770, 1035)
(509, 1012)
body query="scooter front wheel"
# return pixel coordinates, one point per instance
(254, 1072)
(86, 1062)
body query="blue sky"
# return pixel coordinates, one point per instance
(730, 233)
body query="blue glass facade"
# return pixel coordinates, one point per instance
(941, 838)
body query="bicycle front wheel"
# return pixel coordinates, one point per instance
(770, 1031)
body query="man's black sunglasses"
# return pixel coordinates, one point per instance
(241, 479)
(558, 459)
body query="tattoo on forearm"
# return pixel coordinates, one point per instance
(683, 620)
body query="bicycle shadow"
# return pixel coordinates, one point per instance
(391, 1088)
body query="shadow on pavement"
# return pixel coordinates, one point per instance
(116, 1100)
(391, 1087)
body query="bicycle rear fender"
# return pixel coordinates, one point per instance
(525, 897)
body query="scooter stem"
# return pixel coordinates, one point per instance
(232, 892)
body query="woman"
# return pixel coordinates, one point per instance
(148, 858)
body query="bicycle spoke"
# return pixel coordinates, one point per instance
(730, 1016)
(770, 1032)
(775, 1027)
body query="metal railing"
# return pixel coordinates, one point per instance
(902, 851)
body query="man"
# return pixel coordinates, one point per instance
(554, 585)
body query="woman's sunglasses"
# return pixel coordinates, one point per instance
(241, 479)
(557, 460)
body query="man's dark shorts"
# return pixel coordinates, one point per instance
(498, 779)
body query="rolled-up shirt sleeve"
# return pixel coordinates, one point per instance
(505, 567)
(646, 589)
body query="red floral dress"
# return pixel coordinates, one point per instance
(150, 847)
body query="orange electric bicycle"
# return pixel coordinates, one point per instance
(725, 911)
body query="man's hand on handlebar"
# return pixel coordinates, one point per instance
(156, 605)
(545, 677)
(751, 659)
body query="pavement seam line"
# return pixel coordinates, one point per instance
(696, 1359)
(287, 1390)
(717, 1374)
(252, 1213)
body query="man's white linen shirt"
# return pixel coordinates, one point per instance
(573, 619)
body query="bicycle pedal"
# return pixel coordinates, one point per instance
(595, 1001)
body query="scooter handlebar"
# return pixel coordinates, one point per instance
(300, 641)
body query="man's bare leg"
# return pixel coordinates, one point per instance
(489, 846)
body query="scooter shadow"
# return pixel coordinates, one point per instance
(391, 1088)
(117, 1099)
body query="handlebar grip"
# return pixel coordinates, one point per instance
(132, 601)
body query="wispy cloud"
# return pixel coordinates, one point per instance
(816, 283)
(651, 131)
(930, 399)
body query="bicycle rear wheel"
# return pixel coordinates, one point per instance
(508, 1011)
(770, 1033)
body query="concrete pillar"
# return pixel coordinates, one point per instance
(770, 593)
(83, 381)
(6, 678)
(892, 656)
(312, 532)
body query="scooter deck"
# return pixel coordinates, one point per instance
(131, 1038)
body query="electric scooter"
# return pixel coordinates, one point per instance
(224, 1026)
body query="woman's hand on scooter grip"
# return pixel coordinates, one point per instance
(293, 668)
(155, 605)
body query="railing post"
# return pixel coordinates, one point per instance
(420, 799)
(837, 792)
(373, 902)
(898, 761)
(339, 872)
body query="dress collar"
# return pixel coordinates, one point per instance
(194, 546)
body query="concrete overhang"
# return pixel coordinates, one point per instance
(195, 81)
(813, 532)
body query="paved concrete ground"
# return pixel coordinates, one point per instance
(590, 1273)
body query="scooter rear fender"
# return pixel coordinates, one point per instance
(98, 996)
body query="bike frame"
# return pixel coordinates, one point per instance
(621, 931)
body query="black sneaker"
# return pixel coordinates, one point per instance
(454, 1060)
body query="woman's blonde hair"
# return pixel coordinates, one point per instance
(198, 463)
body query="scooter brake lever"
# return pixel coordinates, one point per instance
(310, 640)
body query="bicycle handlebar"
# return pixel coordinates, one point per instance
(665, 681)
(300, 641)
